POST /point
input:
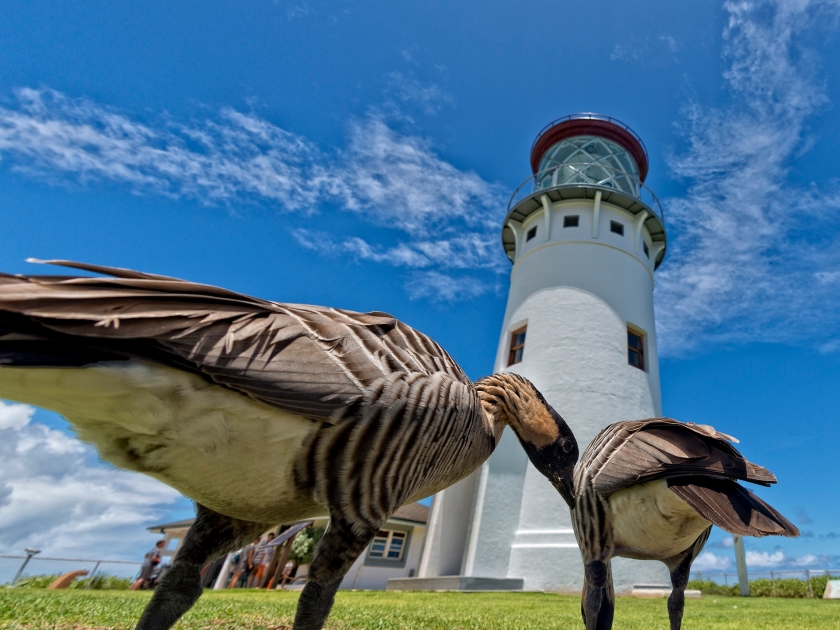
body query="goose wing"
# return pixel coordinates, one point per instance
(629, 453)
(309, 360)
(701, 467)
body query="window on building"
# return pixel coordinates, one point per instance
(636, 349)
(617, 227)
(517, 346)
(571, 220)
(646, 248)
(531, 233)
(388, 545)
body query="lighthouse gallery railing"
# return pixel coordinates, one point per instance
(587, 175)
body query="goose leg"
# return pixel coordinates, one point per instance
(680, 567)
(211, 535)
(336, 553)
(598, 602)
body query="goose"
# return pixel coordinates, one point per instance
(651, 490)
(261, 412)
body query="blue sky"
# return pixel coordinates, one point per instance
(360, 154)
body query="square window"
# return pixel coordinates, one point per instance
(617, 227)
(531, 233)
(379, 544)
(636, 349)
(517, 346)
(571, 220)
(646, 248)
(388, 545)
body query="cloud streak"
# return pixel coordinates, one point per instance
(751, 248)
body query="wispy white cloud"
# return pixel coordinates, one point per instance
(778, 559)
(56, 497)
(402, 181)
(429, 97)
(708, 561)
(655, 49)
(754, 255)
(448, 217)
(49, 135)
(472, 251)
(443, 287)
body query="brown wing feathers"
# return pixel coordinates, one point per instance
(732, 507)
(306, 359)
(701, 467)
(627, 453)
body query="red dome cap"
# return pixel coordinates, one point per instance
(590, 125)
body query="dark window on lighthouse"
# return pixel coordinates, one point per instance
(646, 248)
(636, 349)
(517, 346)
(531, 234)
(571, 220)
(617, 227)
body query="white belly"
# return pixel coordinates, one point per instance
(652, 523)
(227, 451)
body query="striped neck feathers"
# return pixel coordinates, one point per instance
(512, 400)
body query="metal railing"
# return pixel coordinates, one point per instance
(579, 175)
(38, 565)
(591, 116)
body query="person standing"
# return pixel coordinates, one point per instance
(150, 561)
(262, 558)
(246, 564)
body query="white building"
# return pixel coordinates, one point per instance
(585, 236)
(394, 553)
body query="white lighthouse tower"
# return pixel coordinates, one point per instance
(585, 236)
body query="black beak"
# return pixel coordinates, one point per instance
(566, 490)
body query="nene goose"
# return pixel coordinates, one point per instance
(261, 412)
(651, 490)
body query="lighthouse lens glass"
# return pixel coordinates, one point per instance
(589, 160)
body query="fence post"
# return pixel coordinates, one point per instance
(92, 574)
(29, 554)
(810, 588)
(725, 579)
(741, 562)
(773, 583)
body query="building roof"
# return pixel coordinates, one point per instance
(413, 512)
(187, 522)
(416, 512)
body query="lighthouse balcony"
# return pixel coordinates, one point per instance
(597, 183)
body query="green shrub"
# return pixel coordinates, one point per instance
(303, 546)
(763, 587)
(99, 582)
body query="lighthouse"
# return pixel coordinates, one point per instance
(585, 236)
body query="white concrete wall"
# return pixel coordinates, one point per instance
(449, 522)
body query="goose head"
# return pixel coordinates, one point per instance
(512, 400)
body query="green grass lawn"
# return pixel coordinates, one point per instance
(89, 610)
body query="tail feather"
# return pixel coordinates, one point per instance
(732, 507)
